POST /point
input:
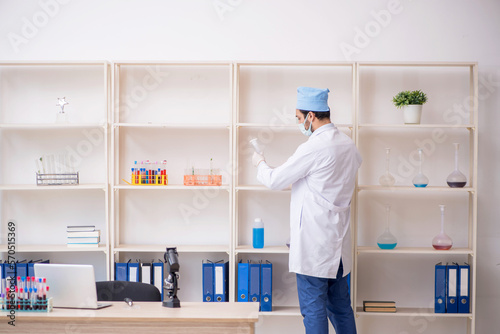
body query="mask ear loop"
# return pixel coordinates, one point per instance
(310, 123)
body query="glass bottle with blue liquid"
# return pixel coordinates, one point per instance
(420, 180)
(258, 233)
(387, 240)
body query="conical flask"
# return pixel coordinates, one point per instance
(420, 180)
(387, 179)
(387, 240)
(442, 241)
(456, 179)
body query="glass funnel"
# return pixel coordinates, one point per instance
(420, 180)
(456, 179)
(387, 179)
(387, 240)
(442, 241)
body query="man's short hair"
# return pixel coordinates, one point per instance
(319, 114)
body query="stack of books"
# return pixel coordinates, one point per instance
(379, 306)
(82, 236)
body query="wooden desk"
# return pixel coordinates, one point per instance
(141, 318)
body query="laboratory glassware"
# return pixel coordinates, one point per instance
(387, 179)
(387, 240)
(442, 241)
(420, 180)
(456, 179)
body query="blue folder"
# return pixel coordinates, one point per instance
(452, 288)
(208, 281)
(10, 271)
(463, 288)
(133, 271)
(221, 282)
(254, 283)
(158, 275)
(21, 269)
(243, 279)
(266, 288)
(440, 288)
(121, 271)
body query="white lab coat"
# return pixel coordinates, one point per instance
(322, 173)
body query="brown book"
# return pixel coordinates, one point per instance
(379, 304)
(380, 309)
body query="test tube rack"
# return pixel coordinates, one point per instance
(57, 179)
(26, 306)
(203, 177)
(149, 180)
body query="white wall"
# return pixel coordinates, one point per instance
(283, 30)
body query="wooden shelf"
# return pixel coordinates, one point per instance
(413, 250)
(169, 187)
(282, 126)
(418, 64)
(180, 248)
(214, 126)
(247, 249)
(50, 126)
(99, 186)
(417, 126)
(412, 312)
(259, 188)
(415, 189)
(54, 248)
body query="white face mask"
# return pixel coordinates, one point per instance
(302, 127)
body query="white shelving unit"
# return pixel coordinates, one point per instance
(187, 113)
(28, 129)
(414, 216)
(265, 97)
(180, 112)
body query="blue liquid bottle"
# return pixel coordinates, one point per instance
(258, 233)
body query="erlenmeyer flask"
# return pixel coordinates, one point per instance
(442, 241)
(420, 180)
(387, 240)
(456, 179)
(387, 179)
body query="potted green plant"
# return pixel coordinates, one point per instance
(411, 102)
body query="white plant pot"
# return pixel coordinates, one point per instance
(412, 113)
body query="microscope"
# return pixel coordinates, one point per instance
(170, 287)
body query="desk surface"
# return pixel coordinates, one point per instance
(154, 311)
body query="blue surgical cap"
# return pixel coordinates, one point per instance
(312, 99)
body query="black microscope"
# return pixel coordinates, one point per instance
(170, 288)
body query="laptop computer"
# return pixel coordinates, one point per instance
(71, 285)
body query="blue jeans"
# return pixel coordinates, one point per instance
(321, 299)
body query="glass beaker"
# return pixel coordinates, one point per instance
(456, 179)
(387, 179)
(442, 241)
(420, 180)
(387, 240)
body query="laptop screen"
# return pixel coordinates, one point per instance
(71, 285)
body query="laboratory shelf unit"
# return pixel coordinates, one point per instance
(265, 95)
(405, 274)
(413, 312)
(248, 249)
(57, 249)
(180, 112)
(412, 250)
(180, 249)
(29, 129)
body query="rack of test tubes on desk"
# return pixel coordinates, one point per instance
(29, 294)
(202, 177)
(149, 173)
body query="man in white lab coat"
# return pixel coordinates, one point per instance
(322, 173)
